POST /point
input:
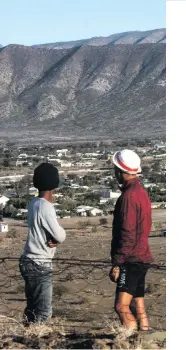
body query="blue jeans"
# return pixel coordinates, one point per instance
(38, 290)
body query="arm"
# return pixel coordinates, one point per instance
(51, 225)
(125, 238)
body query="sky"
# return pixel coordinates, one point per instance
(30, 22)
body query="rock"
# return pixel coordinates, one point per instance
(90, 86)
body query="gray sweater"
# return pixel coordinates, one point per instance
(42, 227)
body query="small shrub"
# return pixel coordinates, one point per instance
(156, 226)
(84, 224)
(59, 290)
(94, 229)
(103, 221)
(151, 288)
(12, 233)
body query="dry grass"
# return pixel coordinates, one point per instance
(12, 233)
(54, 334)
(64, 333)
(43, 330)
(12, 332)
(152, 288)
(59, 290)
(94, 229)
(103, 221)
(84, 224)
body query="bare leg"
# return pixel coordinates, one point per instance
(141, 313)
(122, 307)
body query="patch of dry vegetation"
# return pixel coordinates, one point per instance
(56, 333)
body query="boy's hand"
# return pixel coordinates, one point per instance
(114, 273)
(52, 244)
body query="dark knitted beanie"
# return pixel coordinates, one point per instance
(46, 177)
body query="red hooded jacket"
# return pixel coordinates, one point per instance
(131, 225)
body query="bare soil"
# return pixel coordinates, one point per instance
(83, 294)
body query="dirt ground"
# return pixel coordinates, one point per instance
(83, 293)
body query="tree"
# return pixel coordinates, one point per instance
(67, 204)
(19, 203)
(67, 191)
(10, 211)
(7, 160)
(113, 185)
(22, 187)
(1, 212)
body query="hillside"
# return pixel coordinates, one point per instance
(134, 37)
(86, 91)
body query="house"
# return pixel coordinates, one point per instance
(155, 205)
(149, 184)
(163, 190)
(22, 214)
(91, 155)
(148, 159)
(21, 162)
(110, 195)
(103, 200)
(58, 195)
(84, 207)
(88, 211)
(74, 186)
(54, 161)
(86, 164)
(33, 191)
(160, 156)
(95, 212)
(3, 227)
(82, 213)
(65, 164)
(82, 210)
(115, 195)
(23, 156)
(61, 152)
(160, 146)
(3, 201)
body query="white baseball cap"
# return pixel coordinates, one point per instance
(128, 161)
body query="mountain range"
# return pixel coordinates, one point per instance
(98, 88)
(134, 37)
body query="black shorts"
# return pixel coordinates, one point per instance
(132, 279)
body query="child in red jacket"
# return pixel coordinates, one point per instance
(130, 252)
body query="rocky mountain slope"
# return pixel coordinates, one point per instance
(134, 37)
(85, 91)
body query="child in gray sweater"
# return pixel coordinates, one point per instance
(44, 233)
